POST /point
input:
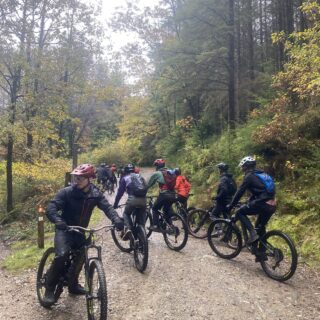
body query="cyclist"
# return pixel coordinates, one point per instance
(167, 195)
(103, 174)
(73, 206)
(182, 187)
(226, 189)
(113, 170)
(134, 201)
(261, 203)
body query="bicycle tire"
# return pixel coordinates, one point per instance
(220, 233)
(197, 221)
(97, 299)
(148, 224)
(124, 246)
(141, 249)
(277, 255)
(177, 228)
(44, 265)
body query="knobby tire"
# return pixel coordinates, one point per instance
(141, 249)
(97, 300)
(44, 265)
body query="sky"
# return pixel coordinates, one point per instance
(109, 7)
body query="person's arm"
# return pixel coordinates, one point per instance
(56, 205)
(242, 189)
(109, 211)
(121, 191)
(156, 177)
(222, 189)
(178, 182)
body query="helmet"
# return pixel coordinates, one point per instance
(129, 168)
(86, 170)
(177, 171)
(102, 164)
(160, 163)
(222, 166)
(247, 162)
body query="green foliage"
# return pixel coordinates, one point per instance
(33, 184)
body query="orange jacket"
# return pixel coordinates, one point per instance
(182, 186)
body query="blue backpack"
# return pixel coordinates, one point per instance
(267, 181)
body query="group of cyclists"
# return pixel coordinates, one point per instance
(74, 204)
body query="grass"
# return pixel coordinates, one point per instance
(25, 253)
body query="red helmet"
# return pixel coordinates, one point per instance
(86, 170)
(159, 163)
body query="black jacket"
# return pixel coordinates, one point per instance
(75, 207)
(255, 186)
(226, 189)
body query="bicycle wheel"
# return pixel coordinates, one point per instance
(141, 249)
(281, 257)
(97, 300)
(41, 283)
(198, 222)
(176, 233)
(121, 244)
(220, 234)
(148, 224)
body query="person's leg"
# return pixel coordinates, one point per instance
(242, 214)
(76, 267)
(169, 199)
(62, 246)
(157, 206)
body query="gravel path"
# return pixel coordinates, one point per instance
(191, 284)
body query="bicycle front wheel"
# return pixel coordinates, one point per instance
(41, 283)
(198, 222)
(141, 249)
(280, 259)
(224, 238)
(176, 233)
(124, 246)
(97, 300)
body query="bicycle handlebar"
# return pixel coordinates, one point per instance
(91, 230)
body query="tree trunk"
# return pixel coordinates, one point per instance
(231, 66)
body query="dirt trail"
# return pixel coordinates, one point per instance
(191, 284)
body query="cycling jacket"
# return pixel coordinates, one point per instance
(75, 207)
(255, 186)
(182, 186)
(225, 189)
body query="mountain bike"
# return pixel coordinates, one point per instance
(95, 281)
(275, 250)
(174, 228)
(138, 243)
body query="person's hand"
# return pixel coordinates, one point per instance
(61, 225)
(118, 223)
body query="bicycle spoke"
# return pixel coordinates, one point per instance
(279, 257)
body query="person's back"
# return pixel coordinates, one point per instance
(182, 187)
(262, 201)
(167, 196)
(135, 187)
(225, 191)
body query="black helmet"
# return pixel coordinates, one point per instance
(222, 166)
(129, 168)
(177, 171)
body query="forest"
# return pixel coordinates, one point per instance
(201, 82)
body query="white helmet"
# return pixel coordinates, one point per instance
(247, 161)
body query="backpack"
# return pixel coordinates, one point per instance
(169, 179)
(138, 185)
(267, 181)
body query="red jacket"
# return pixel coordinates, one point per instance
(182, 186)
